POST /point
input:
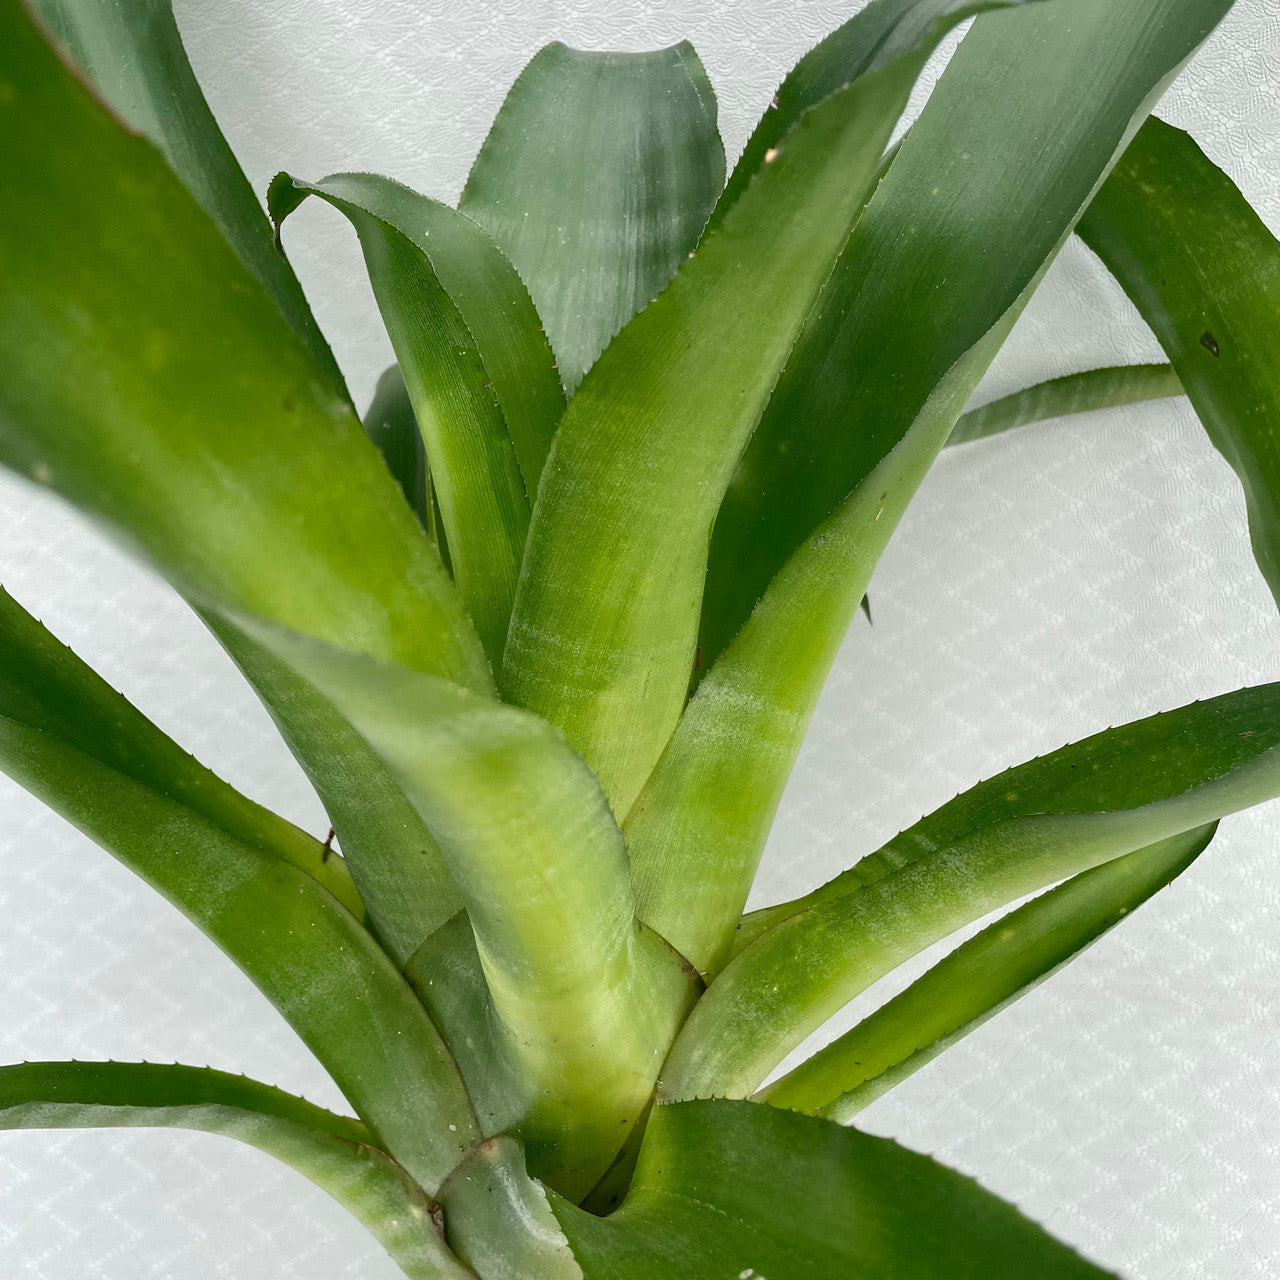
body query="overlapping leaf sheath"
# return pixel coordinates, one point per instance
(952, 242)
(585, 1000)
(603, 633)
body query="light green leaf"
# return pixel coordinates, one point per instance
(585, 1001)
(1059, 397)
(727, 1189)
(338, 1154)
(602, 639)
(1017, 832)
(391, 425)
(147, 377)
(498, 1221)
(977, 980)
(78, 747)
(698, 829)
(965, 219)
(1204, 271)
(596, 180)
(132, 52)
(446, 295)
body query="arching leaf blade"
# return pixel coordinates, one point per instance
(1054, 817)
(1204, 270)
(596, 179)
(474, 469)
(976, 981)
(147, 377)
(1075, 393)
(338, 1154)
(728, 1188)
(133, 53)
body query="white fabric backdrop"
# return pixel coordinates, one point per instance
(1042, 587)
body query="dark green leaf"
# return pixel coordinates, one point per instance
(965, 219)
(133, 53)
(1204, 271)
(1010, 835)
(338, 1154)
(733, 1189)
(391, 425)
(977, 980)
(1059, 397)
(441, 285)
(147, 377)
(78, 747)
(603, 634)
(596, 180)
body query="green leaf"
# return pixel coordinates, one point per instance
(977, 980)
(391, 425)
(596, 180)
(147, 377)
(78, 747)
(698, 829)
(965, 219)
(1017, 832)
(728, 1189)
(393, 858)
(133, 53)
(336, 1153)
(1060, 397)
(498, 1221)
(447, 296)
(45, 686)
(1204, 271)
(603, 634)
(586, 1002)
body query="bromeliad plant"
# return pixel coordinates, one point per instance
(546, 633)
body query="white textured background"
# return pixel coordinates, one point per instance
(1042, 587)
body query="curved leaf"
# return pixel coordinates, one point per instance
(336, 1153)
(475, 470)
(596, 179)
(1060, 397)
(977, 980)
(586, 1003)
(45, 686)
(965, 219)
(79, 748)
(1012, 834)
(728, 1189)
(133, 53)
(603, 633)
(146, 377)
(1204, 271)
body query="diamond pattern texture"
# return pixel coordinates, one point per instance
(1042, 586)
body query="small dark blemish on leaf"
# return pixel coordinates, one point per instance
(328, 845)
(697, 658)
(1209, 342)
